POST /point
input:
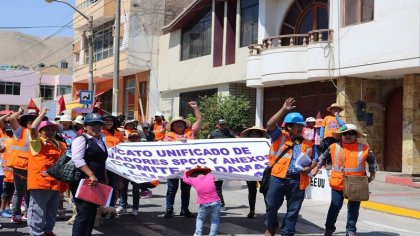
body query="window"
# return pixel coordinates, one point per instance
(47, 92)
(129, 98)
(249, 22)
(196, 39)
(185, 98)
(10, 88)
(14, 107)
(143, 88)
(358, 11)
(103, 42)
(2, 107)
(63, 89)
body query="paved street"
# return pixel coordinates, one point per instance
(150, 220)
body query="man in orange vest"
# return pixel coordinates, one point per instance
(348, 157)
(287, 180)
(18, 160)
(159, 126)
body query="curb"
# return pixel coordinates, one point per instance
(391, 209)
(402, 180)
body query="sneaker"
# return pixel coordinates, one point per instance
(9, 210)
(251, 215)
(146, 194)
(120, 210)
(169, 213)
(135, 212)
(16, 219)
(6, 214)
(186, 213)
(25, 217)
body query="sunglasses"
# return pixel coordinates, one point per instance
(352, 133)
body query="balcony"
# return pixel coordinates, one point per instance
(101, 10)
(288, 59)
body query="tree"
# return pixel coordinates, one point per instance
(234, 109)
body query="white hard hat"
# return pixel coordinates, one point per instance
(79, 120)
(158, 113)
(65, 117)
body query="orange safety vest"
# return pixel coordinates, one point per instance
(159, 131)
(330, 124)
(19, 151)
(349, 159)
(112, 140)
(8, 172)
(38, 165)
(188, 133)
(280, 168)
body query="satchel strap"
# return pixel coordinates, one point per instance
(281, 155)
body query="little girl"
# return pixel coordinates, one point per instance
(203, 182)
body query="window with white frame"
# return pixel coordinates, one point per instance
(10, 88)
(47, 92)
(249, 22)
(14, 107)
(103, 42)
(63, 89)
(358, 11)
(196, 39)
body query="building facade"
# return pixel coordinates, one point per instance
(141, 21)
(203, 52)
(363, 54)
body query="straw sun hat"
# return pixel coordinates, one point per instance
(175, 119)
(347, 128)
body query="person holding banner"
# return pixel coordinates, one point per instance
(44, 189)
(253, 132)
(286, 180)
(180, 129)
(89, 154)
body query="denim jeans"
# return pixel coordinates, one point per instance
(171, 192)
(278, 190)
(212, 209)
(335, 207)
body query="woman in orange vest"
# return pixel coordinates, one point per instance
(330, 124)
(348, 157)
(159, 126)
(18, 160)
(286, 180)
(180, 129)
(44, 189)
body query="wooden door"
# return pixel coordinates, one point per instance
(393, 131)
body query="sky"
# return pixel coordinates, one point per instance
(35, 13)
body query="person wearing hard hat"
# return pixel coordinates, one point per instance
(286, 180)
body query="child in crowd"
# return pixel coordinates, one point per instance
(203, 182)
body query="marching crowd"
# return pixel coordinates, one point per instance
(31, 144)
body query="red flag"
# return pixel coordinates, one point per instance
(62, 104)
(32, 105)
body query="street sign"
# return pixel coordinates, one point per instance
(86, 97)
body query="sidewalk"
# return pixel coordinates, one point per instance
(398, 199)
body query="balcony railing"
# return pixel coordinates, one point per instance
(86, 4)
(291, 40)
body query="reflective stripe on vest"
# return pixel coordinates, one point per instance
(24, 148)
(339, 150)
(280, 150)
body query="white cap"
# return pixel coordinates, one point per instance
(310, 119)
(65, 117)
(79, 120)
(158, 113)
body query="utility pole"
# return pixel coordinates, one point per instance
(116, 74)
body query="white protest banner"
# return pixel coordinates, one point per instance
(230, 159)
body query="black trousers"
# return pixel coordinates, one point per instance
(85, 218)
(219, 184)
(252, 194)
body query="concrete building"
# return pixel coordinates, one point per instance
(45, 87)
(364, 54)
(141, 21)
(204, 52)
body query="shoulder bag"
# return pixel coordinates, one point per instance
(265, 182)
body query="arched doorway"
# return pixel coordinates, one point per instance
(393, 131)
(304, 16)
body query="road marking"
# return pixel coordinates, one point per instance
(391, 209)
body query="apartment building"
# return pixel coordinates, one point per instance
(204, 51)
(364, 54)
(141, 21)
(45, 86)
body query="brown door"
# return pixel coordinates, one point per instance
(311, 98)
(393, 131)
